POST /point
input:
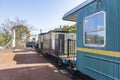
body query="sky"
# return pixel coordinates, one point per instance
(41, 14)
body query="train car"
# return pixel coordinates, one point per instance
(40, 41)
(65, 46)
(58, 44)
(98, 40)
(30, 44)
(43, 39)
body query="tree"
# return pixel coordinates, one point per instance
(21, 28)
(71, 28)
(5, 34)
(22, 34)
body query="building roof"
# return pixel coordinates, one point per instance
(43, 33)
(54, 32)
(62, 31)
(71, 15)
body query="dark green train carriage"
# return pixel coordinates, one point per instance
(98, 40)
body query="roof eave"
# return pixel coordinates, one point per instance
(71, 15)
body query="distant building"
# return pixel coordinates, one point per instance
(33, 38)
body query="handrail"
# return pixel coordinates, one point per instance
(11, 41)
(5, 46)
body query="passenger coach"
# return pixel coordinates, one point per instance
(59, 45)
(98, 40)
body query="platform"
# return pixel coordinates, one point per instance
(26, 64)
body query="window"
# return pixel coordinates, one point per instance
(94, 30)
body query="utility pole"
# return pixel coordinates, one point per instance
(40, 31)
(60, 28)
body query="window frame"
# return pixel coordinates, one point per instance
(95, 45)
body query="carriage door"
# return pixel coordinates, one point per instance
(61, 43)
(71, 48)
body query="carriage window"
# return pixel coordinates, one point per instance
(94, 30)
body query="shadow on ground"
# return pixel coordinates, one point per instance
(29, 58)
(32, 73)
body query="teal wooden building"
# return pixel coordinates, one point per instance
(98, 38)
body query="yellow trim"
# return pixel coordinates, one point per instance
(101, 52)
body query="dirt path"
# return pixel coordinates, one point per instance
(27, 65)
